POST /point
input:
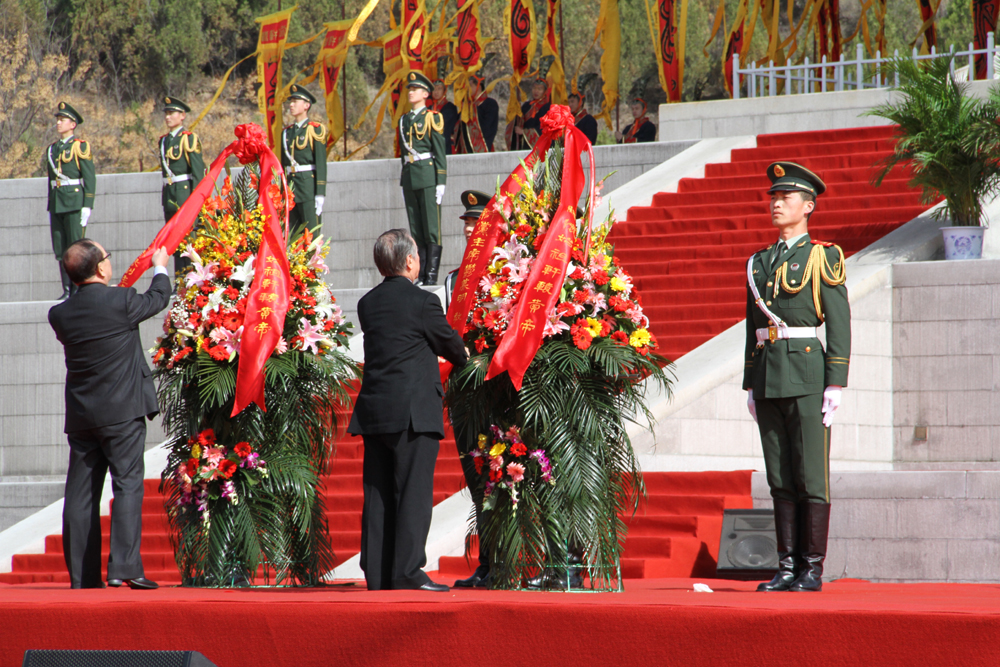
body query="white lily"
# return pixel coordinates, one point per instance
(244, 273)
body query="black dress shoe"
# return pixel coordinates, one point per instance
(482, 573)
(139, 583)
(434, 587)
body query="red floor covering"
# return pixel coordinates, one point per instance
(688, 250)
(654, 622)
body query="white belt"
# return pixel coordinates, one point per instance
(300, 167)
(417, 157)
(65, 182)
(170, 180)
(782, 333)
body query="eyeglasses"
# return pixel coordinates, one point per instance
(108, 256)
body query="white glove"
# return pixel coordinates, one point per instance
(319, 205)
(751, 405)
(84, 216)
(831, 401)
(439, 193)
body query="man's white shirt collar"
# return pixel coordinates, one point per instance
(174, 132)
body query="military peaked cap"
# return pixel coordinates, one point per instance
(301, 93)
(66, 110)
(474, 203)
(174, 104)
(788, 176)
(418, 80)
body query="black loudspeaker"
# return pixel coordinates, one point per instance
(747, 548)
(46, 658)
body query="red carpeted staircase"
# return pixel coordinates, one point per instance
(688, 250)
(676, 531)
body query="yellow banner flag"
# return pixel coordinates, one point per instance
(610, 29)
(331, 62)
(270, 49)
(556, 76)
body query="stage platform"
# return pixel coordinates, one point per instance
(654, 622)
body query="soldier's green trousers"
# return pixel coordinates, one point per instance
(65, 229)
(424, 215)
(796, 448)
(301, 216)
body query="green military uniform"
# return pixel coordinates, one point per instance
(181, 162)
(425, 169)
(788, 371)
(303, 155)
(72, 182)
(182, 168)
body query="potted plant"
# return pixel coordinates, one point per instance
(949, 140)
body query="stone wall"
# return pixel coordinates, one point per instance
(897, 526)
(946, 364)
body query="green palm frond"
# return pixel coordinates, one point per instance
(948, 138)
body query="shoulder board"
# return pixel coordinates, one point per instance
(186, 132)
(314, 123)
(78, 140)
(826, 244)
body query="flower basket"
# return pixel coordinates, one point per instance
(242, 490)
(554, 458)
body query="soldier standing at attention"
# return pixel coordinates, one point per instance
(181, 164)
(793, 385)
(425, 169)
(72, 182)
(303, 154)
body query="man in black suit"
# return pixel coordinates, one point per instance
(109, 394)
(399, 414)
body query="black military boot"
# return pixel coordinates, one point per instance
(786, 532)
(433, 261)
(812, 546)
(67, 284)
(422, 254)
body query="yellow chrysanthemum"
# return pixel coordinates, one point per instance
(617, 284)
(483, 441)
(498, 289)
(594, 327)
(639, 338)
(498, 449)
(196, 451)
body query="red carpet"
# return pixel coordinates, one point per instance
(654, 622)
(688, 250)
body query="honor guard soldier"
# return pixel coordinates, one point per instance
(72, 182)
(181, 164)
(425, 169)
(303, 154)
(474, 203)
(794, 385)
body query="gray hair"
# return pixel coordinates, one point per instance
(391, 249)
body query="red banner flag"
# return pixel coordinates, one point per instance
(734, 45)
(268, 300)
(984, 21)
(669, 41)
(927, 11)
(413, 33)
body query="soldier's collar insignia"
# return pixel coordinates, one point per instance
(778, 171)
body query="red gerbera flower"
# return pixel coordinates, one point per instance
(242, 449)
(620, 336)
(227, 468)
(218, 353)
(207, 437)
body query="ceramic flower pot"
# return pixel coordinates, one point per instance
(963, 242)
